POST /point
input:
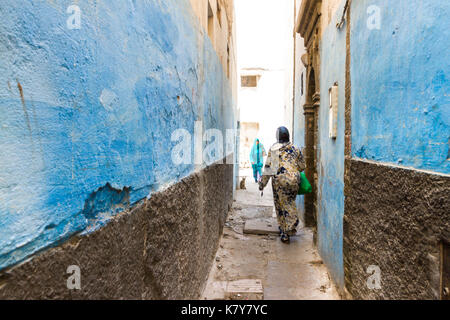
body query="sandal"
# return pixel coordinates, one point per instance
(285, 238)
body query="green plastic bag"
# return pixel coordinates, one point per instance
(305, 186)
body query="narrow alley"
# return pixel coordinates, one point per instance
(249, 266)
(202, 151)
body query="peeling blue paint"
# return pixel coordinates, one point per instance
(105, 203)
(90, 133)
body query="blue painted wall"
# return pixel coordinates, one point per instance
(400, 102)
(331, 151)
(87, 115)
(400, 84)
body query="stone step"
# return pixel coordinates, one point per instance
(261, 227)
(244, 289)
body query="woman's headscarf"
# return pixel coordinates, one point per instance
(282, 135)
(282, 140)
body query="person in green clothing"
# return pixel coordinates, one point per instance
(257, 155)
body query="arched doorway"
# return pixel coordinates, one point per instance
(310, 143)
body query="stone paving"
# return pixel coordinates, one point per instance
(249, 266)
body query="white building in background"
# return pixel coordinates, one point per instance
(265, 47)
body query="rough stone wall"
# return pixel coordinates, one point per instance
(160, 249)
(394, 218)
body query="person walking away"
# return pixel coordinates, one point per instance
(284, 164)
(257, 155)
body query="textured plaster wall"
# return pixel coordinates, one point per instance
(395, 219)
(396, 207)
(87, 115)
(162, 248)
(331, 151)
(400, 77)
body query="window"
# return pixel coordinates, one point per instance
(249, 81)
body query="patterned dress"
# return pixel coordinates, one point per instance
(283, 165)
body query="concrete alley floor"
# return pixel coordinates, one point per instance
(261, 266)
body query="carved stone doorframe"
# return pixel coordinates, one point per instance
(308, 25)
